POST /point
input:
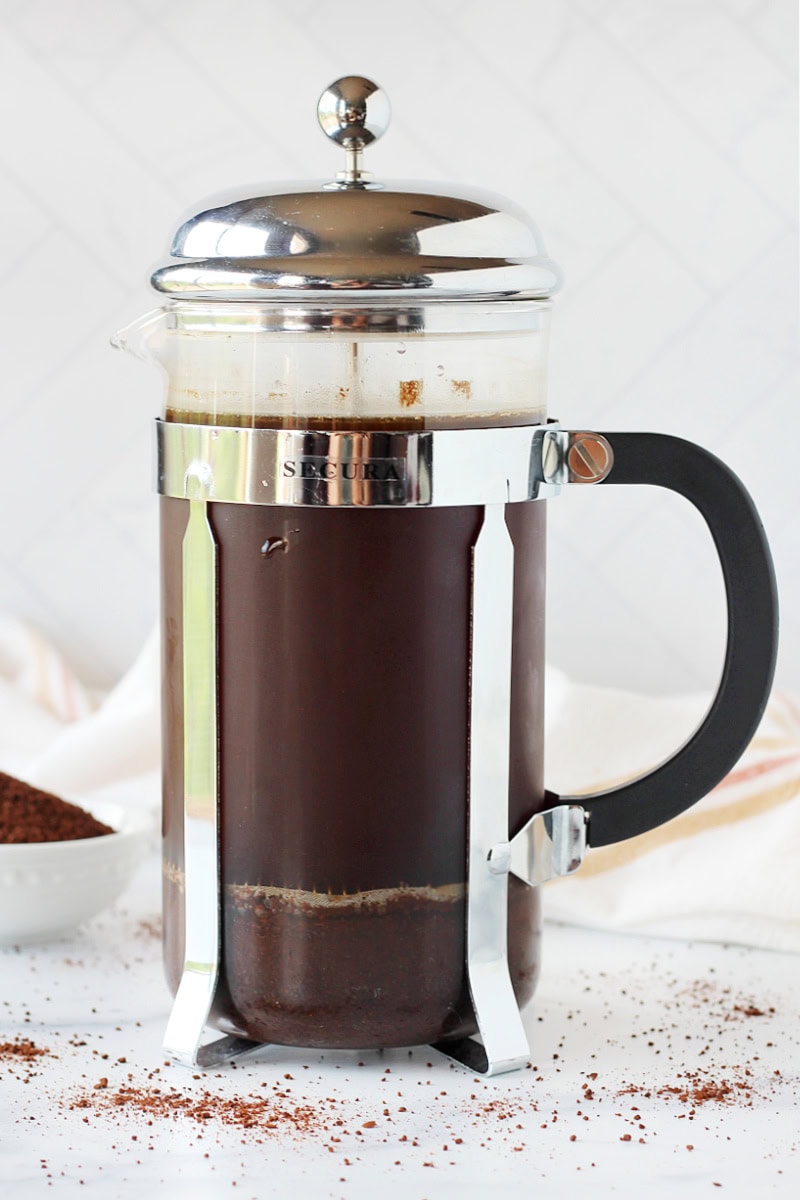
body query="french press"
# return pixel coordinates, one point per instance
(353, 460)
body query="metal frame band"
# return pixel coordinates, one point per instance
(376, 468)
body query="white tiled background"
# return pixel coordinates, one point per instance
(655, 141)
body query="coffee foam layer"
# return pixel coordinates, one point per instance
(247, 893)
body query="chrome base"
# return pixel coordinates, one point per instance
(552, 843)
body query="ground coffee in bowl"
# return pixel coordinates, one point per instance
(30, 815)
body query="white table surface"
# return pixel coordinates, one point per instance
(638, 1012)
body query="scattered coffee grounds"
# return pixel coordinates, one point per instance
(267, 1114)
(699, 1091)
(676, 1067)
(30, 815)
(693, 1087)
(21, 1056)
(21, 1048)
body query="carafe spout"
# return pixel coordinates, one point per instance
(144, 337)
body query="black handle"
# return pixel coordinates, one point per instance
(751, 594)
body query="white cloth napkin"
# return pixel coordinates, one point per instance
(726, 870)
(55, 734)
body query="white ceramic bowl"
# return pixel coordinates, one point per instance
(47, 888)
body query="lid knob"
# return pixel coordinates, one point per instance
(353, 111)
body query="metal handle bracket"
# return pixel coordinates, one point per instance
(551, 844)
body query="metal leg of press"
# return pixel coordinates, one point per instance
(551, 843)
(186, 1029)
(503, 1045)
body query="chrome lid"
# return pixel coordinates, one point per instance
(363, 240)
